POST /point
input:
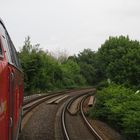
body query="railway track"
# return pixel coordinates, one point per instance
(72, 107)
(72, 117)
(32, 102)
(98, 137)
(28, 99)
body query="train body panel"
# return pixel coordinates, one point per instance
(11, 88)
(3, 100)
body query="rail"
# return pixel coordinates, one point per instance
(86, 121)
(65, 108)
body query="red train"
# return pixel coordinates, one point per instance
(11, 88)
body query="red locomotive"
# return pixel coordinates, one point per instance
(11, 88)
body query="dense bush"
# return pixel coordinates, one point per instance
(44, 72)
(119, 107)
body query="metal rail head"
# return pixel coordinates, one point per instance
(66, 105)
(86, 121)
(65, 132)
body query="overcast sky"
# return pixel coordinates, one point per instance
(70, 25)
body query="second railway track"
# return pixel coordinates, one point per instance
(73, 120)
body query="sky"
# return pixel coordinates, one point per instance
(70, 25)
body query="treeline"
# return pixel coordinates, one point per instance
(43, 72)
(118, 61)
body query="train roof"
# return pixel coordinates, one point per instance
(1, 21)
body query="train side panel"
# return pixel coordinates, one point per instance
(11, 88)
(17, 98)
(4, 103)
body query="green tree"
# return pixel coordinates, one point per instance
(118, 59)
(88, 65)
(40, 69)
(71, 74)
(46, 72)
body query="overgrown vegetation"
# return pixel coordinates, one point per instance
(117, 62)
(118, 59)
(44, 72)
(119, 107)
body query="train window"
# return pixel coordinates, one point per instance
(17, 58)
(15, 55)
(9, 48)
(13, 52)
(4, 46)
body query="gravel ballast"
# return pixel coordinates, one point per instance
(41, 124)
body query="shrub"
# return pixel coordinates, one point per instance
(119, 107)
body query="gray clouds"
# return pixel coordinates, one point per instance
(70, 24)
